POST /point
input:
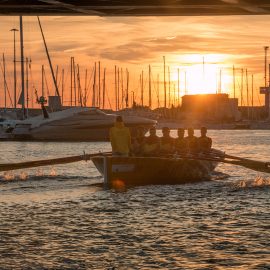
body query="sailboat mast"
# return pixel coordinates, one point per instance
(27, 86)
(94, 87)
(71, 81)
(115, 87)
(104, 87)
(122, 89)
(14, 30)
(169, 76)
(118, 89)
(127, 94)
(63, 75)
(49, 59)
(233, 82)
(142, 90)
(242, 86)
(164, 73)
(158, 91)
(22, 67)
(178, 86)
(56, 75)
(5, 87)
(42, 80)
(252, 97)
(85, 87)
(247, 93)
(150, 90)
(74, 82)
(99, 89)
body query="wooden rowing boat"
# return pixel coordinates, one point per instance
(136, 171)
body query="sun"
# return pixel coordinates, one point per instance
(202, 75)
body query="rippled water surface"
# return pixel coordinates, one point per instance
(61, 217)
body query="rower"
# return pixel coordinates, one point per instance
(166, 142)
(120, 138)
(151, 146)
(138, 142)
(180, 143)
(191, 141)
(205, 143)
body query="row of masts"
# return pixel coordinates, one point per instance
(123, 95)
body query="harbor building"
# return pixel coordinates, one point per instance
(212, 107)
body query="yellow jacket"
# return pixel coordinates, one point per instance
(120, 138)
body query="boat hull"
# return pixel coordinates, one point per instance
(74, 124)
(80, 133)
(137, 171)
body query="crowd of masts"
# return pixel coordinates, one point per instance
(92, 90)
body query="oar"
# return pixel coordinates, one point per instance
(255, 165)
(48, 162)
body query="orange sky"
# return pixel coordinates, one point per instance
(136, 42)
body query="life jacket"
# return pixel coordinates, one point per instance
(192, 143)
(205, 143)
(180, 145)
(120, 138)
(151, 144)
(166, 144)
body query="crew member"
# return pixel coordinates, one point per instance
(120, 138)
(151, 146)
(180, 143)
(205, 143)
(191, 141)
(166, 142)
(138, 142)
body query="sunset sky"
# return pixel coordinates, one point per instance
(136, 42)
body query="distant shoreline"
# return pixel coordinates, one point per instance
(231, 126)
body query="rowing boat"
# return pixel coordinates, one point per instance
(137, 171)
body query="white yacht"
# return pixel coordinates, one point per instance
(73, 124)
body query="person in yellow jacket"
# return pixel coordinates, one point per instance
(120, 138)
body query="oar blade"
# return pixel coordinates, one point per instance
(258, 166)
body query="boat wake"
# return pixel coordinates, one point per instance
(10, 176)
(257, 182)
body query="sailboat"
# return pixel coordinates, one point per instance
(71, 124)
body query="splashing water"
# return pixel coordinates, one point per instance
(260, 181)
(39, 172)
(53, 172)
(23, 176)
(8, 176)
(257, 182)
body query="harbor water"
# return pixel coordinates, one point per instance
(61, 217)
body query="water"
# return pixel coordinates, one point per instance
(61, 218)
